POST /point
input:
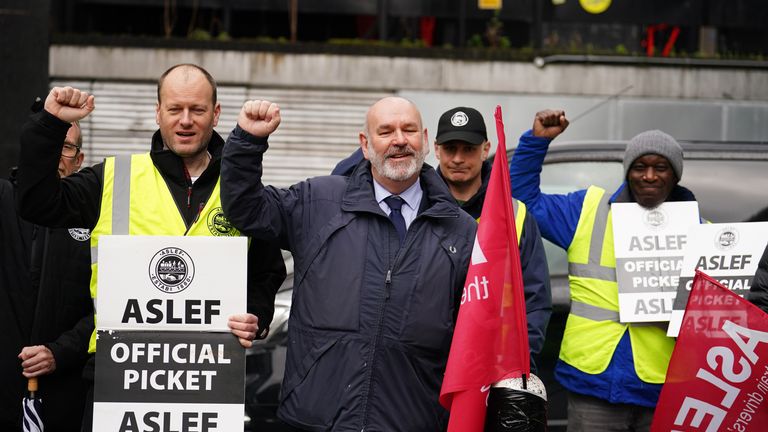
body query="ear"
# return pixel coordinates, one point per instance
(78, 160)
(426, 141)
(437, 151)
(216, 114)
(486, 148)
(363, 144)
(157, 112)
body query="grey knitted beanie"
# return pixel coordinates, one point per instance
(654, 142)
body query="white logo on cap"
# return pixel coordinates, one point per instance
(459, 119)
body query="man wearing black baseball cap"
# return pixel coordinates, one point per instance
(461, 148)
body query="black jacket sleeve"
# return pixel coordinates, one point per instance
(45, 199)
(266, 272)
(538, 295)
(70, 349)
(758, 292)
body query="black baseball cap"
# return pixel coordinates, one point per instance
(461, 124)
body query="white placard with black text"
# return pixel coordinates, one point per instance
(727, 252)
(165, 357)
(170, 283)
(649, 245)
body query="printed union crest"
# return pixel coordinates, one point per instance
(459, 119)
(80, 234)
(726, 238)
(171, 270)
(655, 218)
(219, 225)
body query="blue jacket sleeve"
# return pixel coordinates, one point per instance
(256, 210)
(557, 215)
(538, 296)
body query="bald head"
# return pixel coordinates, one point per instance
(186, 73)
(391, 104)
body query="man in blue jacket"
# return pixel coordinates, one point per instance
(380, 259)
(613, 371)
(461, 149)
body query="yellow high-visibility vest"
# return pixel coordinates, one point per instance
(135, 200)
(593, 330)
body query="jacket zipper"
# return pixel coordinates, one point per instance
(376, 341)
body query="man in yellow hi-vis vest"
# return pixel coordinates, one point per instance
(613, 371)
(172, 190)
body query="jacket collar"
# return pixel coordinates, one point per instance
(172, 167)
(435, 202)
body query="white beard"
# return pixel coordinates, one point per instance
(397, 170)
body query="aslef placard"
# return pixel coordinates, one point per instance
(648, 245)
(728, 253)
(165, 357)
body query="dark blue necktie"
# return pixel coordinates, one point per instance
(395, 203)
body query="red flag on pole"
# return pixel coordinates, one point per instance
(490, 341)
(718, 375)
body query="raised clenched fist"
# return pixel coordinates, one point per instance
(549, 123)
(259, 117)
(69, 104)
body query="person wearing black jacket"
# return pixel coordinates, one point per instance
(16, 304)
(461, 149)
(58, 347)
(758, 292)
(52, 305)
(185, 151)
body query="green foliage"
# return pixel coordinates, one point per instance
(475, 41)
(199, 34)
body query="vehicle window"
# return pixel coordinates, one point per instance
(727, 190)
(565, 177)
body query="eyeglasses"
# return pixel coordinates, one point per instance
(70, 150)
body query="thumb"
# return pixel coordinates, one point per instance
(90, 103)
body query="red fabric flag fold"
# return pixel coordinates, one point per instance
(718, 375)
(490, 341)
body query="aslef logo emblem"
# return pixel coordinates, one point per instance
(219, 225)
(171, 270)
(655, 218)
(80, 234)
(459, 119)
(726, 238)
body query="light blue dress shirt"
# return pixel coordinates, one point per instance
(411, 196)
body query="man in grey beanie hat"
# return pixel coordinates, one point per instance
(612, 371)
(653, 165)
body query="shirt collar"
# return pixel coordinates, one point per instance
(411, 196)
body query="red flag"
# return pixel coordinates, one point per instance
(490, 341)
(718, 375)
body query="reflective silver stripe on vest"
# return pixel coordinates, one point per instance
(121, 200)
(121, 195)
(593, 269)
(593, 312)
(515, 205)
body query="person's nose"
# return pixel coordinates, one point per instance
(649, 174)
(399, 138)
(186, 119)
